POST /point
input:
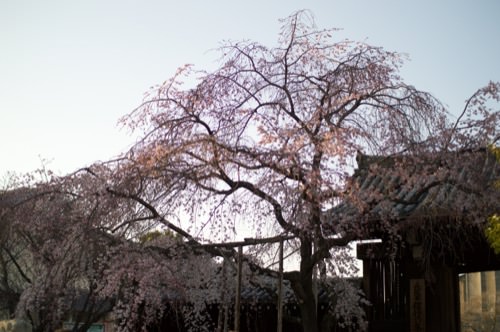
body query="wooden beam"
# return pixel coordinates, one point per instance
(246, 242)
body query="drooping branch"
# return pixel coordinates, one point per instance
(154, 213)
(217, 250)
(19, 269)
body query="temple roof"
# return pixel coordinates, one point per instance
(457, 185)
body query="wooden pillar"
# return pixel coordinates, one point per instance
(223, 315)
(417, 305)
(237, 306)
(442, 307)
(461, 285)
(280, 290)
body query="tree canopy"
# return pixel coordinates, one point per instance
(265, 144)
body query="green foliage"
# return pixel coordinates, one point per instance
(493, 229)
(493, 232)
(156, 235)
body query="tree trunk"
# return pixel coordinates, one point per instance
(309, 313)
(304, 291)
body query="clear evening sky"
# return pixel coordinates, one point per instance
(70, 69)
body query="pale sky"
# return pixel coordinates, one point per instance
(70, 69)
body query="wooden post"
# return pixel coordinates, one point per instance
(238, 292)
(417, 305)
(280, 290)
(240, 244)
(223, 317)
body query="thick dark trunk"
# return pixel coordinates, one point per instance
(309, 313)
(304, 289)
